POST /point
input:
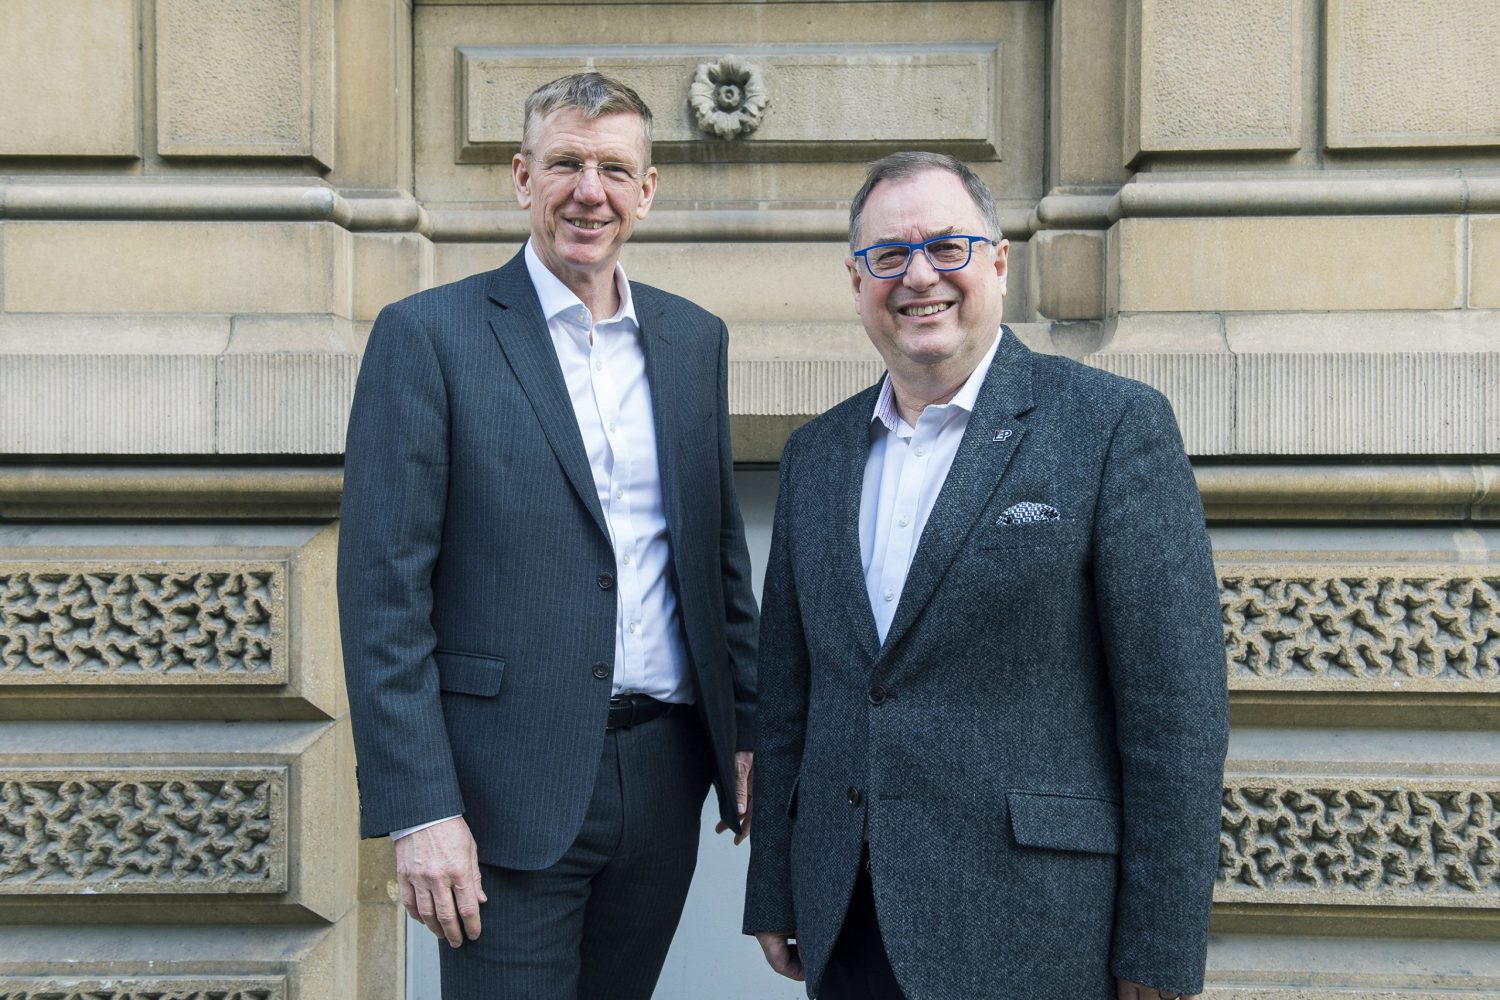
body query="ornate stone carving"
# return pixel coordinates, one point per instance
(157, 988)
(131, 623)
(1422, 843)
(1323, 629)
(134, 830)
(729, 97)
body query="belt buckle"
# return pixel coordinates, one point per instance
(623, 701)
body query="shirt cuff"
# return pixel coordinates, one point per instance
(408, 831)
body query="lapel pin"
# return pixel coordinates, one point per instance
(1003, 434)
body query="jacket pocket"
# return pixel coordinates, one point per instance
(469, 673)
(1065, 822)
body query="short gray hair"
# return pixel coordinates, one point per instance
(594, 94)
(898, 166)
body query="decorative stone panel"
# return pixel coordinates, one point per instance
(130, 988)
(1301, 628)
(1423, 842)
(143, 623)
(1215, 75)
(822, 98)
(1403, 74)
(143, 830)
(245, 78)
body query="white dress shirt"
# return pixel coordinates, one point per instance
(903, 475)
(604, 367)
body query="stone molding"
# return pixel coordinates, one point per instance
(137, 988)
(1316, 627)
(143, 830)
(1432, 842)
(143, 623)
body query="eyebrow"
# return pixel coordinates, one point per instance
(928, 235)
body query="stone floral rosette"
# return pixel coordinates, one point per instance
(729, 97)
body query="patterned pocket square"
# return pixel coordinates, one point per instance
(1029, 512)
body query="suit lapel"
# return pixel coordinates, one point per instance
(846, 472)
(668, 395)
(977, 468)
(521, 329)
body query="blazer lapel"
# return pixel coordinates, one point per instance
(977, 468)
(668, 395)
(846, 480)
(521, 330)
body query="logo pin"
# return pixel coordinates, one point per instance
(1002, 434)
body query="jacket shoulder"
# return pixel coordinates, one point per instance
(1082, 387)
(675, 308)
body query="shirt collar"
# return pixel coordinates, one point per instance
(557, 298)
(885, 404)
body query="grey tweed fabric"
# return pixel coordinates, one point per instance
(475, 572)
(1035, 754)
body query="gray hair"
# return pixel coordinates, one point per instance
(899, 166)
(594, 94)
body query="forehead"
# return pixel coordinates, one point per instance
(923, 204)
(611, 136)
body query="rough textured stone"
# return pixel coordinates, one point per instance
(1087, 116)
(1216, 75)
(284, 404)
(1268, 264)
(1484, 263)
(387, 267)
(245, 78)
(166, 267)
(69, 75)
(130, 988)
(1067, 274)
(147, 623)
(1413, 74)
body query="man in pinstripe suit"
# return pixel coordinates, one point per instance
(543, 583)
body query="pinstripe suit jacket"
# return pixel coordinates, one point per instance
(478, 630)
(1035, 753)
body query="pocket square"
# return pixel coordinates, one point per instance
(1029, 512)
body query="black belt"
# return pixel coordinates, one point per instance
(626, 710)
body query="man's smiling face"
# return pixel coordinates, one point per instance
(579, 221)
(926, 317)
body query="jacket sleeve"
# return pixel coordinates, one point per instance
(740, 615)
(390, 530)
(1158, 601)
(781, 722)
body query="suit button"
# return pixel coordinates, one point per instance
(606, 581)
(877, 694)
(853, 796)
(602, 670)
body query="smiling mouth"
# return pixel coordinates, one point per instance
(927, 310)
(588, 223)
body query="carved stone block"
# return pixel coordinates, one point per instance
(143, 623)
(245, 78)
(131, 988)
(1404, 74)
(1215, 75)
(1301, 628)
(143, 830)
(821, 97)
(1424, 842)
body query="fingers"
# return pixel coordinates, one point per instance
(437, 869)
(1126, 990)
(744, 772)
(781, 954)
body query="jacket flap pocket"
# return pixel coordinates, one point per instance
(1065, 822)
(469, 674)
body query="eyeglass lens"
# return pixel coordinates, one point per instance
(944, 255)
(609, 172)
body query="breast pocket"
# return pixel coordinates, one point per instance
(1039, 535)
(469, 673)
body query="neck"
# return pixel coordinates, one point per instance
(913, 395)
(597, 292)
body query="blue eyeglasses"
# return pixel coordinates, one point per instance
(944, 253)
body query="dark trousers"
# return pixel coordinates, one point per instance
(858, 968)
(597, 925)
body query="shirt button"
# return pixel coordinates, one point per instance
(853, 796)
(904, 521)
(625, 559)
(602, 670)
(606, 581)
(619, 493)
(633, 627)
(919, 451)
(877, 694)
(889, 595)
(613, 426)
(598, 366)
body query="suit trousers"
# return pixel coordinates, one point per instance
(597, 924)
(858, 968)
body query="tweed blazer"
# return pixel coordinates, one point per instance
(1035, 753)
(475, 570)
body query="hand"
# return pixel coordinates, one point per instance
(744, 777)
(1126, 990)
(438, 870)
(781, 953)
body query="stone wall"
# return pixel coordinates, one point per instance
(1283, 213)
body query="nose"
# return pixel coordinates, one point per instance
(919, 271)
(589, 188)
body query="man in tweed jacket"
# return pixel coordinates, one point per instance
(543, 584)
(992, 708)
